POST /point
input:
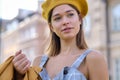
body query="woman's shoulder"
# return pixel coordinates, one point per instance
(97, 66)
(95, 55)
(95, 58)
(37, 60)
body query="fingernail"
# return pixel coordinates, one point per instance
(19, 51)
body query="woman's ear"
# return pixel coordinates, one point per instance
(80, 18)
(51, 27)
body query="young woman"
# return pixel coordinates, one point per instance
(68, 57)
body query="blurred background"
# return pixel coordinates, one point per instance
(23, 28)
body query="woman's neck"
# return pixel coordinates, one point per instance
(68, 47)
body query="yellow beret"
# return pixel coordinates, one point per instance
(48, 5)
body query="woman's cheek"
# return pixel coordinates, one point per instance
(57, 31)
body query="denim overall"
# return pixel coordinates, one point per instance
(67, 73)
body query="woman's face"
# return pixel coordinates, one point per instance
(65, 21)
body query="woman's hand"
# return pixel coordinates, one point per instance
(21, 63)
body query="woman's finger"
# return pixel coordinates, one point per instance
(18, 57)
(18, 64)
(22, 65)
(18, 52)
(27, 67)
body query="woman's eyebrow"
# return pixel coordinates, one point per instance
(69, 11)
(65, 12)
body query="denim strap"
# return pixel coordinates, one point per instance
(43, 60)
(80, 59)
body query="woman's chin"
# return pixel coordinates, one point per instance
(68, 37)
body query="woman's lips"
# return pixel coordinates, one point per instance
(66, 29)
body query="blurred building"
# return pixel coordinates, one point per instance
(27, 32)
(114, 31)
(104, 31)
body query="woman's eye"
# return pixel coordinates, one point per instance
(57, 18)
(70, 15)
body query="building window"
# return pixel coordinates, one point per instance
(117, 69)
(33, 33)
(28, 33)
(12, 26)
(30, 53)
(116, 18)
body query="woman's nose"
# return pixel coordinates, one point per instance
(65, 21)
